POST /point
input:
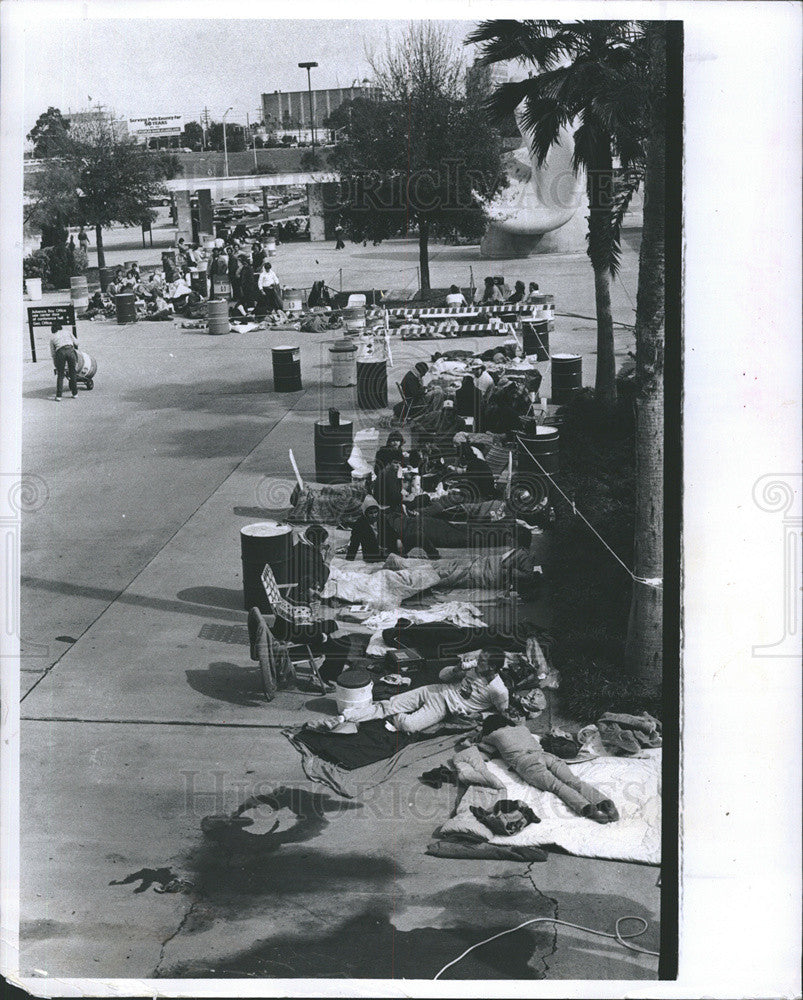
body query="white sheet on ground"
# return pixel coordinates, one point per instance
(373, 584)
(634, 785)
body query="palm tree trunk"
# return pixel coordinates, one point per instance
(599, 183)
(99, 246)
(605, 377)
(423, 254)
(644, 644)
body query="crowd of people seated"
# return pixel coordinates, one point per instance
(483, 402)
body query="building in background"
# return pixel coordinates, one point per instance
(99, 116)
(289, 109)
(482, 80)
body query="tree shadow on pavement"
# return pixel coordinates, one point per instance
(213, 597)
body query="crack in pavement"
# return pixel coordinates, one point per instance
(169, 938)
(529, 876)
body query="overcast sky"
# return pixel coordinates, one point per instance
(150, 67)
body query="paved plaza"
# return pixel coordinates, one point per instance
(142, 711)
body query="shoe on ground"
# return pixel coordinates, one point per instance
(74, 394)
(57, 399)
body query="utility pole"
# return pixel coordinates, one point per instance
(253, 139)
(204, 127)
(225, 145)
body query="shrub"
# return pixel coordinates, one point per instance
(37, 265)
(589, 591)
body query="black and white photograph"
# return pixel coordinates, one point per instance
(356, 416)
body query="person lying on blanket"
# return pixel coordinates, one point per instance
(464, 691)
(523, 754)
(517, 567)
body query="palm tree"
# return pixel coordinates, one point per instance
(644, 645)
(591, 79)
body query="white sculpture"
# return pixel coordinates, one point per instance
(540, 211)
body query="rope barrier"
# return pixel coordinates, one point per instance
(654, 582)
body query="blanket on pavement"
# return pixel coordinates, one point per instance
(634, 785)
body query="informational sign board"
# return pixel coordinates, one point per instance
(45, 315)
(157, 126)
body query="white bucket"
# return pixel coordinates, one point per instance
(33, 286)
(349, 697)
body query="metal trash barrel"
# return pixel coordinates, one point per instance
(286, 368)
(199, 282)
(79, 291)
(567, 376)
(535, 334)
(265, 543)
(333, 446)
(372, 385)
(217, 316)
(86, 367)
(126, 308)
(293, 299)
(539, 450)
(343, 356)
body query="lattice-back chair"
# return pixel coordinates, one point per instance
(294, 622)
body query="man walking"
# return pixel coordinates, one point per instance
(62, 349)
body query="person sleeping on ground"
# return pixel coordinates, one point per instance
(400, 579)
(465, 691)
(522, 753)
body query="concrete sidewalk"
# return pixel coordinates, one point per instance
(151, 715)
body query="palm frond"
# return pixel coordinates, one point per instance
(536, 42)
(542, 120)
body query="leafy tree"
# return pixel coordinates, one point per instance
(51, 200)
(101, 179)
(235, 141)
(644, 645)
(420, 157)
(591, 79)
(342, 115)
(50, 134)
(192, 136)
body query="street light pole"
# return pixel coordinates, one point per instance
(308, 66)
(225, 144)
(253, 138)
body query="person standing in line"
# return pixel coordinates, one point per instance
(63, 344)
(83, 239)
(269, 288)
(340, 243)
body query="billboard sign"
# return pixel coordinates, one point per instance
(157, 126)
